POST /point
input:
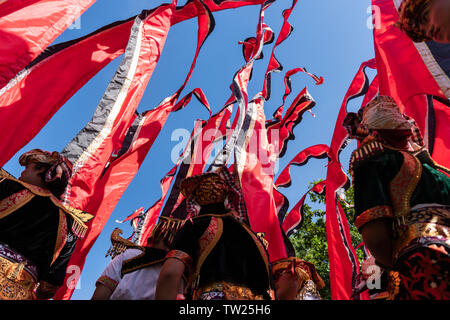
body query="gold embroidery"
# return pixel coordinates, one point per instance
(5, 174)
(230, 291)
(372, 214)
(141, 266)
(308, 289)
(404, 183)
(120, 244)
(79, 217)
(206, 243)
(261, 236)
(261, 249)
(61, 237)
(393, 285)
(417, 230)
(365, 151)
(14, 202)
(15, 282)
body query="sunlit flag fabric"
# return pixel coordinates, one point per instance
(91, 150)
(119, 169)
(28, 27)
(343, 262)
(294, 218)
(192, 156)
(277, 115)
(196, 159)
(190, 162)
(22, 99)
(281, 131)
(418, 81)
(274, 65)
(318, 151)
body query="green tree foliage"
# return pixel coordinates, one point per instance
(310, 240)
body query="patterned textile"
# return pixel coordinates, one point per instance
(17, 276)
(225, 291)
(418, 197)
(382, 113)
(212, 188)
(8, 253)
(412, 15)
(424, 274)
(35, 224)
(211, 295)
(309, 292)
(206, 188)
(222, 251)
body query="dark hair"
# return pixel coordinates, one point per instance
(57, 186)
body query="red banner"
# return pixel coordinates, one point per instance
(22, 99)
(196, 158)
(417, 76)
(91, 188)
(279, 132)
(28, 27)
(318, 151)
(255, 161)
(344, 265)
(401, 64)
(278, 114)
(294, 218)
(274, 65)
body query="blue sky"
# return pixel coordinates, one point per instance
(330, 38)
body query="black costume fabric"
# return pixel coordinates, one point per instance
(32, 231)
(411, 193)
(373, 177)
(235, 258)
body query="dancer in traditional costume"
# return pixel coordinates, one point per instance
(219, 254)
(424, 20)
(37, 233)
(296, 279)
(133, 272)
(402, 201)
